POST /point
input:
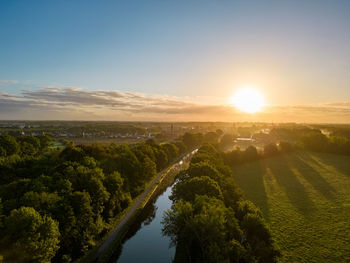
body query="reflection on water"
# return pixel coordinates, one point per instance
(144, 241)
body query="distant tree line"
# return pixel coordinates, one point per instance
(210, 221)
(316, 141)
(55, 205)
(75, 128)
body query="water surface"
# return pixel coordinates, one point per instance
(144, 242)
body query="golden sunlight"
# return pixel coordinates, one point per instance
(248, 100)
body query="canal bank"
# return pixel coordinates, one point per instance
(140, 210)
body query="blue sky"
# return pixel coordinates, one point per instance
(295, 52)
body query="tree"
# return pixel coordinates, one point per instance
(9, 144)
(192, 139)
(232, 157)
(203, 169)
(256, 232)
(315, 141)
(339, 144)
(2, 152)
(285, 147)
(30, 142)
(34, 235)
(129, 168)
(72, 153)
(211, 137)
(45, 141)
(88, 179)
(28, 149)
(250, 154)
(227, 139)
(203, 229)
(143, 150)
(231, 193)
(181, 146)
(83, 228)
(270, 149)
(41, 202)
(189, 189)
(171, 150)
(118, 200)
(210, 221)
(161, 159)
(207, 153)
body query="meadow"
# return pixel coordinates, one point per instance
(305, 198)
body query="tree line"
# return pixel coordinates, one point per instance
(210, 221)
(316, 141)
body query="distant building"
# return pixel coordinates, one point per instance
(245, 140)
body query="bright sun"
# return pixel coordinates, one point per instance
(248, 100)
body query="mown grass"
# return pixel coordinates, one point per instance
(305, 198)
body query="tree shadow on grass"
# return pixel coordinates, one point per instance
(312, 176)
(295, 191)
(339, 162)
(249, 177)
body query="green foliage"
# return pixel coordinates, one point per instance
(34, 235)
(233, 157)
(210, 221)
(81, 189)
(72, 153)
(270, 149)
(188, 189)
(171, 150)
(205, 227)
(227, 140)
(9, 144)
(250, 154)
(339, 144)
(118, 199)
(161, 159)
(192, 139)
(181, 146)
(203, 169)
(45, 141)
(315, 141)
(318, 142)
(2, 152)
(211, 137)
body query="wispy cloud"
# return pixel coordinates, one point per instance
(8, 82)
(75, 103)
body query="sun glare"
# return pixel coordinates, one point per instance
(248, 100)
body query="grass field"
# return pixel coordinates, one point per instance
(305, 198)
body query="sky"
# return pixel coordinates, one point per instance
(174, 60)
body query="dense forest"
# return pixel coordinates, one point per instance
(56, 204)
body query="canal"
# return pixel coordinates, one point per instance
(144, 241)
